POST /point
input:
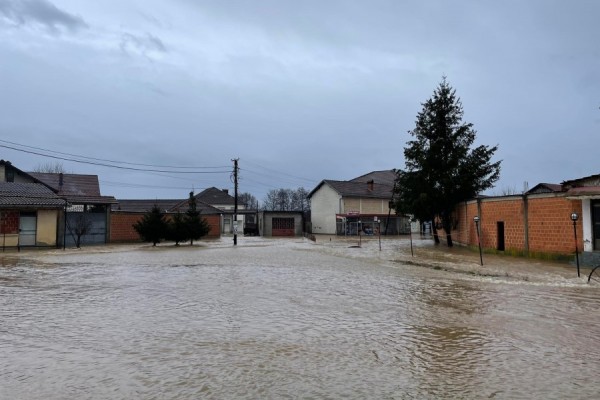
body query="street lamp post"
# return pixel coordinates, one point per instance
(574, 218)
(359, 227)
(476, 219)
(378, 222)
(410, 220)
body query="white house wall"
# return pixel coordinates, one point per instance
(324, 205)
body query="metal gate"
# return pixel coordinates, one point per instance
(94, 225)
(283, 227)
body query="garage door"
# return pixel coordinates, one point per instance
(283, 227)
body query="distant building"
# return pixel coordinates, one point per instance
(362, 203)
(281, 223)
(221, 199)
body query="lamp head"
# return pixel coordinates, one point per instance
(574, 216)
(476, 218)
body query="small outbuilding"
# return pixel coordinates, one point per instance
(281, 223)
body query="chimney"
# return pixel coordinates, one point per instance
(226, 191)
(60, 181)
(370, 185)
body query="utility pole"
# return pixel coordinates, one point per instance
(235, 207)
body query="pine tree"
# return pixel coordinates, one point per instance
(442, 168)
(196, 227)
(177, 230)
(152, 227)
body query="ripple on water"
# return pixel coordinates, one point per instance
(286, 319)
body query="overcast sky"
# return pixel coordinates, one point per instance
(299, 91)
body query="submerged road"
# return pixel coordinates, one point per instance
(272, 319)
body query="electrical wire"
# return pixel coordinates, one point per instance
(112, 166)
(278, 172)
(106, 160)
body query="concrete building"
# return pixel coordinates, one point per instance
(281, 223)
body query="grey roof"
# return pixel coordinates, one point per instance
(76, 188)
(582, 181)
(143, 206)
(28, 195)
(214, 196)
(545, 188)
(167, 206)
(358, 189)
(381, 188)
(386, 177)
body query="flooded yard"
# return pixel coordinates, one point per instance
(291, 318)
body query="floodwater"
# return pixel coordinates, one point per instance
(293, 319)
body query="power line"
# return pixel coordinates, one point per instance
(105, 160)
(140, 186)
(112, 166)
(278, 172)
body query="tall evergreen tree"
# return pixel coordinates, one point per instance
(152, 227)
(196, 226)
(442, 168)
(177, 231)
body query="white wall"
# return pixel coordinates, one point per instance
(324, 205)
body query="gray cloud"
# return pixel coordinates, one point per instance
(312, 89)
(141, 44)
(40, 13)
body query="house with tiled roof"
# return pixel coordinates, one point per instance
(221, 199)
(546, 188)
(86, 209)
(360, 204)
(83, 215)
(29, 213)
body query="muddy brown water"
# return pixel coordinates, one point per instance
(277, 319)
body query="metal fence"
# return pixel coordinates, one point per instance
(369, 226)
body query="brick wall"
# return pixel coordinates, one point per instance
(121, 226)
(549, 227)
(10, 222)
(510, 211)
